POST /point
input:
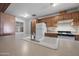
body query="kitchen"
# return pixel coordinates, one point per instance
(66, 23)
(63, 26)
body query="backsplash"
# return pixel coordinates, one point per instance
(51, 29)
(77, 29)
(65, 27)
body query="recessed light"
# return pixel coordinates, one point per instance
(55, 4)
(26, 15)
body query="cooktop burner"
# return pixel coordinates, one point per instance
(66, 33)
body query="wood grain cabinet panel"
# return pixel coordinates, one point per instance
(68, 16)
(77, 37)
(60, 17)
(74, 15)
(49, 22)
(52, 21)
(51, 34)
(7, 24)
(1, 24)
(75, 19)
(33, 26)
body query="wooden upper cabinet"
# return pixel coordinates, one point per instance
(67, 16)
(76, 22)
(52, 21)
(75, 15)
(49, 22)
(60, 17)
(75, 19)
(7, 24)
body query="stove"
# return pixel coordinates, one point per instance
(65, 33)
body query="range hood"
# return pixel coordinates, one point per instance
(65, 21)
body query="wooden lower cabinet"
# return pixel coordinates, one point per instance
(51, 34)
(77, 37)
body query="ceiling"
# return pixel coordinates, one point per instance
(3, 6)
(40, 9)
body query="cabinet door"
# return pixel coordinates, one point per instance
(60, 17)
(67, 16)
(1, 24)
(50, 22)
(8, 24)
(12, 24)
(76, 19)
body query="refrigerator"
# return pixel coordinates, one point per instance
(40, 31)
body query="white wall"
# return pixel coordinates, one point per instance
(28, 26)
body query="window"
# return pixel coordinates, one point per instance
(19, 27)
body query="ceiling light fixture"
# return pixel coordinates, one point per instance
(55, 4)
(26, 15)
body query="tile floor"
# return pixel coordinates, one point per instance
(17, 47)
